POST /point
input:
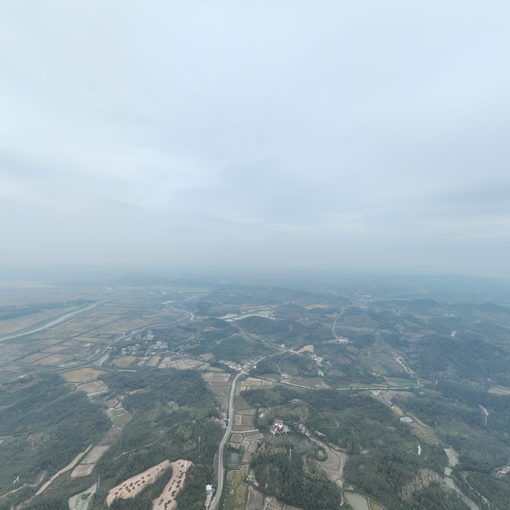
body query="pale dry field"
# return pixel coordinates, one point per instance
(118, 416)
(88, 339)
(12, 346)
(34, 357)
(51, 341)
(182, 363)
(218, 383)
(82, 375)
(153, 362)
(165, 362)
(252, 383)
(257, 501)
(315, 382)
(216, 377)
(499, 390)
(93, 388)
(244, 420)
(250, 442)
(94, 320)
(124, 361)
(55, 348)
(87, 465)
(55, 359)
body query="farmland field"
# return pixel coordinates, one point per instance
(82, 375)
(144, 377)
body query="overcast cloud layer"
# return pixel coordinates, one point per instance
(346, 135)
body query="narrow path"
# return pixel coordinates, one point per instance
(333, 327)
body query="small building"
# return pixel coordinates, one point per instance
(278, 427)
(406, 419)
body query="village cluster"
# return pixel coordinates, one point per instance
(149, 348)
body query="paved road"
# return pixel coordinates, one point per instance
(221, 471)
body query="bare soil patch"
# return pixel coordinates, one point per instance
(82, 375)
(82, 500)
(166, 501)
(87, 465)
(34, 357)
(499, 390)
(55, 348)
(136, 484)
(124, 361)
(334, 464)
(55, 359)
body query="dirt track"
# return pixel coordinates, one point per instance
(63, 470)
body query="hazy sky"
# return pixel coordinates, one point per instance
(347, 135)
